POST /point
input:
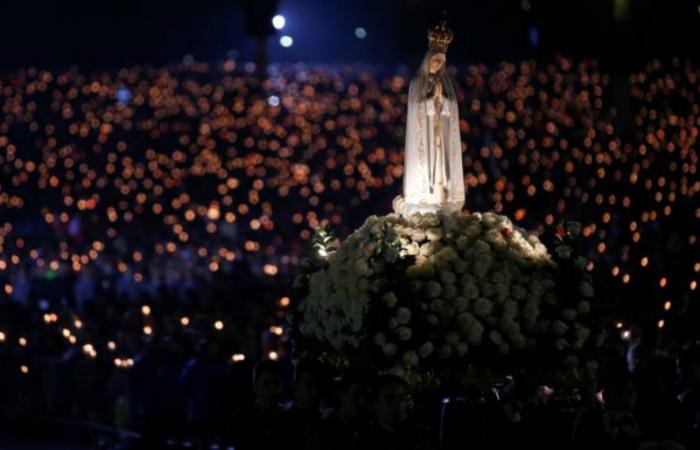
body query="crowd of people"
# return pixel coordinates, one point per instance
(152, 219)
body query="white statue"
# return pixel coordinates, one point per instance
(433, 175)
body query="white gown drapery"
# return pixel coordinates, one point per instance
(433, 173)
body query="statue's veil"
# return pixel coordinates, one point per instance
(416, 188)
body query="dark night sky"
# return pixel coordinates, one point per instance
(113, 33)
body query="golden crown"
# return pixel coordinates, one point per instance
(439, 37)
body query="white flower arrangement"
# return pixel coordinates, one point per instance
(410, 292)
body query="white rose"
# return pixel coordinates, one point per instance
(571, 361)
(391, 254)
(475, 333)
(569, 313)
(560, 344)
(510, 309)
(581, 332)
(426, 349)
(431, 220)
(518, 341)
(472, 231)
(412, 249)
(445, 351)
(495, 337)
(433, 289)
(481, 266)
(592, 366)
(559, 328)
(586, 289)
(449, 291)
(460, 304)
(389, 299)
(434, 234)
(452, 338)
(437, 305)
(393, 323)
(403, 315)
(380, 339)
(462, 242)
(530, 312)
(418, 236)
(459, 266)
(404, 333)
(470, 291)
(432, 319)
(482, 248)
(447, 277)
(389, 349)
(465, 320)
(510, 328)
(488, 289)
(376, 285)
(583, 307)
(462, 348)
(398, 371)
(448, 312)
(482, 307)
(410, 359)
(519, 292)
(550, 298)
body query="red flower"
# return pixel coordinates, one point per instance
(506, 232)
(560, 231)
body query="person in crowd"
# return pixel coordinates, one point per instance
(304, 409)
(389, 430)
(203, 381)
(258, 426)
(339, 428)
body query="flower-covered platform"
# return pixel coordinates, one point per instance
(433, 295)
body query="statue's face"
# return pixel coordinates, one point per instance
(436, 62)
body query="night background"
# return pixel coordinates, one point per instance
(166, 166)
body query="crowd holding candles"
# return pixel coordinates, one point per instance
(152, 218)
